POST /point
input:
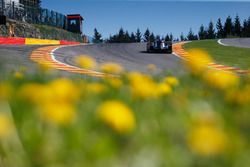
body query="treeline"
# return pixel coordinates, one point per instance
(230, 28)
(125, 37)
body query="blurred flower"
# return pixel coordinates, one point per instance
(86, 62)
(163, 89)
(45, 67)
(5, 91)
(58, 113)
(221, 79)
(118, 116)
(18, 75)
(151, 67)
(207, 140)
(239, 96)
(6, 126)
(112, 68)
(172, 81)
(115, 82)
(142, 86)
(198, 60)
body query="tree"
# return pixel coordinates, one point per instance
(191, 35)
(126, 37)
(210, 31)
(228, 27)
(171, 37)
(237, 26)
(133, 38)
(151, 37)
(146, 35)
(248, 27)
(182, 38)
(167, 38)
(244, 29)
(97, 37)
(202, 32)
(121, 35)
(220, 29)
(138, 35)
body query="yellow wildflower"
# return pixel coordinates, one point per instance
(115, 82)
(198, 60)
(5, 91)
(142, 86)
(112, 68)
(163, 89)
(118, 116)
(220, 79)
(18, 75)
(207, 140)
(45, 67)
(6, 126)
(58, 113)
(172, 81)
(86, 62)
(241, 96)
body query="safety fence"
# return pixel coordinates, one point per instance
(34, 15)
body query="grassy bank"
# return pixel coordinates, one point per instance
(226, 55)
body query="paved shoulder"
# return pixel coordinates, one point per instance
(130, 56)
(238, 42)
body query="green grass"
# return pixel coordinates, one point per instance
(226, 55)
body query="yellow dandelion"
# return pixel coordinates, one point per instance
(115, 82)
(18, 75)
(6, 126)
(172, 81)
(112, 68)
(142, 86)
(198, 60)
(58, 113)
(86, 62)
(163, 89)
(207, 140)
(220, 79)
(118, 116)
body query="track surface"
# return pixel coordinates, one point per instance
(130, 56)
(238, 42)
(13, 57)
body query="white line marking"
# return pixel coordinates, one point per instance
(221, 43)
(52, 53)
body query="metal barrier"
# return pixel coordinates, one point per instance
(33, 15)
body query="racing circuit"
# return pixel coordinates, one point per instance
(133, 57)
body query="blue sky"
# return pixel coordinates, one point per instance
(160, 16)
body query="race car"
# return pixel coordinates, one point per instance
(159, 46)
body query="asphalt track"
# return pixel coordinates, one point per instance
(237, 42)
(131, 56)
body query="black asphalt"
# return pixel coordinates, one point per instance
(238, 42)
(132, 57)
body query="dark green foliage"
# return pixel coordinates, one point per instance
(237, 27)
(146, 35)
(220, 29)
(202, 32)
(191, 36)
(97, 37)
(211, 31)
(228, 27)
(138, 35)
(152, 37)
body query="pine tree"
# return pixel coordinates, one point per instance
(237, 26)
(210, 31)
(133, 38)
(97, 37)
(248, 27)
(191, 35)
(152, 37)
(202, 32)
(126, 37)
(182, 38)
(228, 27)
(138, 35)
(121, 35)
(146, 35)
(244, 29)
(220, 29)
(167, 38)
(171, 37)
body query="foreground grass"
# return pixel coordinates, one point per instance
(197, 120)
(226, 55)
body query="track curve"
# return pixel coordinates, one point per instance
(131, 56)
(237, 42)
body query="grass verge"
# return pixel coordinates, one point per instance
(226, 55)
